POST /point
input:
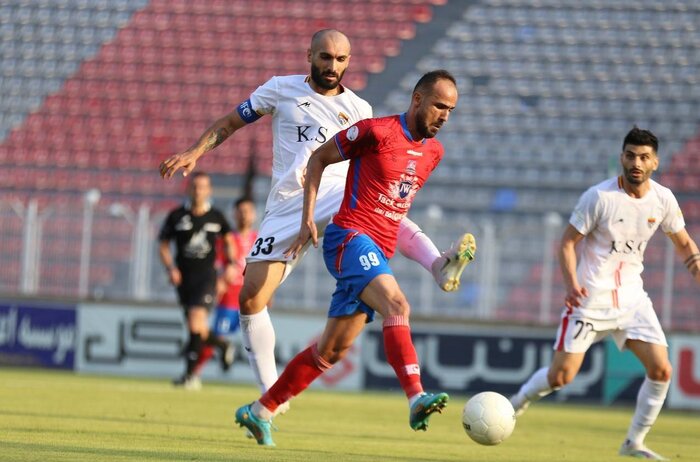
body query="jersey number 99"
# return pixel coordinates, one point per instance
(369, 260)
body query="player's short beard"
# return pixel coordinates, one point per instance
(422, 127)
(632, 180)
(317, 77)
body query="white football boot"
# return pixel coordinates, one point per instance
(188, 382)
(639, 451)
(448, 268)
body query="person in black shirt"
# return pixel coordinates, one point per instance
(195, 227)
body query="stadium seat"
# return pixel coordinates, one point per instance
(98, 93)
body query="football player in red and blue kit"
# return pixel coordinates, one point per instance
(390, 160)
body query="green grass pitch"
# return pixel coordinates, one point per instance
(56, 416)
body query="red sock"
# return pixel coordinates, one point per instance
(400, 353)
(204, 356)
(297, 376)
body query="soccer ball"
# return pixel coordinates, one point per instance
(488, 418)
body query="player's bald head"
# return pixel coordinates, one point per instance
(324, 37)
(329, 56)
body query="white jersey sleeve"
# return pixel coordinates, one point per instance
(265, 98)
(673, 220)
(587, 212)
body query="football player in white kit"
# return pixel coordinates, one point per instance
(306, 111)
(613, 222)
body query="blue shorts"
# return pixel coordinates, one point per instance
(353, 259)
(226, 321)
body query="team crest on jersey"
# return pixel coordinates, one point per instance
(651, 221)
(343, 118)
(411, 167)
(403, 188)
(352, 133)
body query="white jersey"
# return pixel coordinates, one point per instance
(617, 229)
(302, 120)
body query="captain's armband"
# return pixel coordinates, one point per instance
(245, 110)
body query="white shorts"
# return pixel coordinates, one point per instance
(280, 225)
(578, 329)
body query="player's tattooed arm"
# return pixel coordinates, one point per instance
(217, 133)
(215, 138)
(211, 138)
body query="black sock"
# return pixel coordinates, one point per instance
(193, 351)
(218, 342)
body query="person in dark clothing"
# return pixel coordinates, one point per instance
(194, 228)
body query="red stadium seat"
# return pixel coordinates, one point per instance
(422, 13)
(406, 30)
(690, 183)
(170, 72)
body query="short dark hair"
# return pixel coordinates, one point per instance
(243, 200)
(430, 78)
(639, 137)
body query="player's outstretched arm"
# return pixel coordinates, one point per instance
(688, 250)
(321, 158)
(567, 262)
(211, 138)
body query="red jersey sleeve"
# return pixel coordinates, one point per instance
(221, 257)
(357, 140)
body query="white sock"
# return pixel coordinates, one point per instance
(537, 386)
(650, 400)
(414, 398)
(261, 412)
(413, 243)
(259, 342)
